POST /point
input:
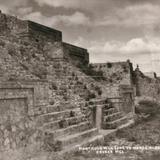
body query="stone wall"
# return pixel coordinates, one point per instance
(10, 67)
(39, 73)
(46, 39)
(118, 83)
(11, 25)
(28, 30)
(54, 50)
(42, 34)
(127, 94)
(18, 102)
(77, 55)
(150, 74)
(146, 86)
(24, 61)
(121, 96)
(112, 91)
(116, 73)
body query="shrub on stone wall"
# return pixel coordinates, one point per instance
(85, 86)
(65, 97)
(98, 89)
(12, 77)
(40, 71)
(11, 49)
(90, 95)
(52, 102)
(54, 86)
(97, 75)
(73, 74)
(2, 43)
(109, 65)
(125, 69)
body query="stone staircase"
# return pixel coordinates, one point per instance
(65, 126)
(65, 122)
(113, 117)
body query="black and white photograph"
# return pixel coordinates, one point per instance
(80, 80)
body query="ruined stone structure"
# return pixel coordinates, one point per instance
(116, 73)
(46, 100)
(147, 85)
(120, 90)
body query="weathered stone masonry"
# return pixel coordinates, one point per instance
(18, 103)
(146, 86)
(116, 72)
(46, 99)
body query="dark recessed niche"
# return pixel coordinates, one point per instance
(109, 65)
(37, 40)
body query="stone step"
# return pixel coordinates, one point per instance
(104, 106)
(115, 124)
(80, 91)
(74, 139)
(60, 92)
(110, 111)
(107, 106)
(44, 109)
(70, 130)
(74, 85)
(58, 108)
(59, 115)
(97, 139)
(64, 123)
(98, 101)
(113, 117)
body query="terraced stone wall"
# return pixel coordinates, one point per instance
(44, 38)
(116, 73)
(76, 55)
(11, 25)
(146, 86)
(24, 28)
(122, 97)
(18, 103)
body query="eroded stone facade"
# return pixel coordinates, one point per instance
(119, 73)
(146, 86)
(18, 103)
(45, 95)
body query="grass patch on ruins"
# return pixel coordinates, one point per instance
(149, 107)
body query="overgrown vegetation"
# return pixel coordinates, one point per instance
(53, 86)
(11, 49)
(2, 43)
(109, 65)
(90, 95)
(52, 102)
(98, 89)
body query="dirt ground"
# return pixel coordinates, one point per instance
(133, 143)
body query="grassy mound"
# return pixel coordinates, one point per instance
(147, 107)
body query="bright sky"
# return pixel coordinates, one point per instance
(111, 30)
